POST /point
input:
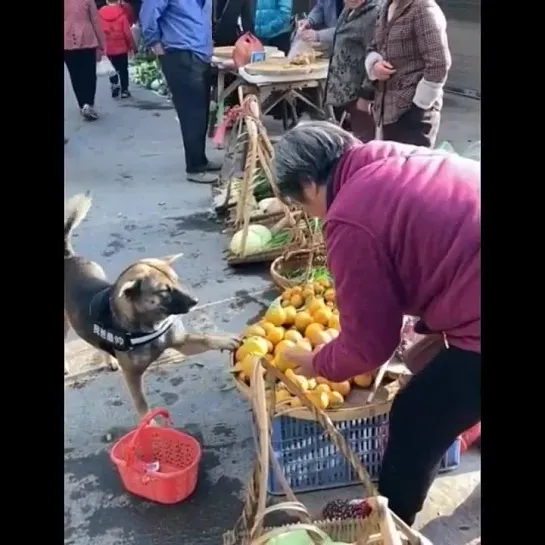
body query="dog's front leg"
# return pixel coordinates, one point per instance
(133, 380)
(190, 344)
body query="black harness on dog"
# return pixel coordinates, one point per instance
(112, 338)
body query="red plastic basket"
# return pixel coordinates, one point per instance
(177, 454)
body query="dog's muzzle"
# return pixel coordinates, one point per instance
(181, 303)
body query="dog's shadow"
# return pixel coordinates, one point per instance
(462, 527)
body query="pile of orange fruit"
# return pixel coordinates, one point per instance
(304, 317)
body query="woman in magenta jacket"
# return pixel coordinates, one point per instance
(402, 230)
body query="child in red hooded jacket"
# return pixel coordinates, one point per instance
(119, 43)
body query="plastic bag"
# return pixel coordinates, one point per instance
(136, 35)
(105, 67)
(473, 151)
(244, 47)
(446, 146)
(299, 47)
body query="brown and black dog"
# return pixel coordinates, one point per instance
(135, 319)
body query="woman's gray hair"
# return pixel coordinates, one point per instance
(308, 153)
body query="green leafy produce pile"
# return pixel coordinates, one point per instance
(144, 70)
(316, 274)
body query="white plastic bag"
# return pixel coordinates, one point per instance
(299, 47)
(105, 67)
(136, 35)
(473, 151)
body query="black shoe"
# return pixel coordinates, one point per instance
(125, 94)
(115, 91)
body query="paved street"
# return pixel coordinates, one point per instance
(132, 161)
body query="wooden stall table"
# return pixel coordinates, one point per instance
(224, 64)
(280, 84)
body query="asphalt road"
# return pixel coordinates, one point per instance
(132, 161)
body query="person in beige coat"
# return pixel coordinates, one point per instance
(410, 60)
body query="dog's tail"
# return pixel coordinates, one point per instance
(75, 211)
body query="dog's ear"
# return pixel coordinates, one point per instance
(170, 259)
(130, 288)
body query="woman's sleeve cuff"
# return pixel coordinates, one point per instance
(427, 93)
(371, 59)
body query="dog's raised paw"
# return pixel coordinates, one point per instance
(111, 362)
(227, 342)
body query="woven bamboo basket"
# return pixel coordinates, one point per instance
(303, 259)
(296, 240)
(380, 527)
(260, 152)
(356, 405)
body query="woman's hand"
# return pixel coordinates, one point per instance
(309, 36)
(303, 24)
(303, 360)
(158, 49)
(383, 70)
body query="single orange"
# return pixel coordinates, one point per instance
(297, 300)
(293, 335)
(304, 344)
(303, 320)
(322, 316)
(342, 387)
(276, 315)
(275, 335)
(307, 293)
(267, 326)
(315, 304)
(318, 288)
(334, 322)
(282, 345)
(254, 330)
(363, 381)
(291, 313)
(329, 295)
(315, 334)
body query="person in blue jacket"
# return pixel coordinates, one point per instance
(272, 23)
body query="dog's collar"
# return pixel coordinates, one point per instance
(107, 331)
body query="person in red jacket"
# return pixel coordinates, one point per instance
(119, 43)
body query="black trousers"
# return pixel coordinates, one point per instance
(121, 65)
(81, 65)
(437, 405)
(416, 126)
(188, 79)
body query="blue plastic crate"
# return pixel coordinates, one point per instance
(310, 461)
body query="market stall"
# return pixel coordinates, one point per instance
(273, 81)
